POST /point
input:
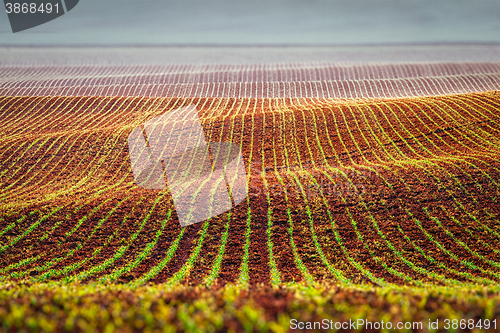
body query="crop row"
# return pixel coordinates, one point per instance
(419, 180)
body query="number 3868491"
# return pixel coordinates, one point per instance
(31, 8)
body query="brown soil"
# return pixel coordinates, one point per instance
(385, 183)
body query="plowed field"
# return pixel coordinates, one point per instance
(376, 208)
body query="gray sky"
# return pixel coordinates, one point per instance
(271, 22)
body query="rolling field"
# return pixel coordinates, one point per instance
(373, 192)
(381, 208)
